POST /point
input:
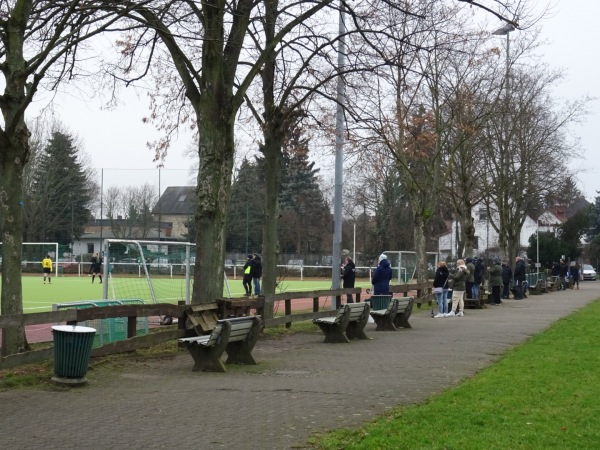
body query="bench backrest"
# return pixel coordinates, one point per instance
(404, 303)
(393, 306)
(240, 327)
(215, 335)
(340, 314)
(356, 310)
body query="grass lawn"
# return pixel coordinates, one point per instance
(39, 297)
(543, 394)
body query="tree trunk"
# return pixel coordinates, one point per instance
(420, 248)
(216, 151)
(13, 155)
(272, 172)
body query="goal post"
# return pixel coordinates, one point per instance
(157, 272)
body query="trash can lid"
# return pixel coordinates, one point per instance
(73, 329)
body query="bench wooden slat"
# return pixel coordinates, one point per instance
(348, 323)
(405, 307)
(235, 336)
(384, 318)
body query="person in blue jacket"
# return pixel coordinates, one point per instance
(382, 276)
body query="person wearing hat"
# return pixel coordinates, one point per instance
(349, 277)
(496, 281)
(247, 280)
(382, 276)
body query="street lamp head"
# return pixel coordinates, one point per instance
(503, 31)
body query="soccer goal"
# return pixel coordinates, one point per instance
(32, 254)
(157, 272)
(404, 264)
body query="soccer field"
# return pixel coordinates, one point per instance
(39, 297)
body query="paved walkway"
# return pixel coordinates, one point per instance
(300, 386)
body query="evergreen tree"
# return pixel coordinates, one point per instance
(244, 229)
(305, 215)
(60, 193)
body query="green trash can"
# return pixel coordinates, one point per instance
(72, 351)
(379, 302)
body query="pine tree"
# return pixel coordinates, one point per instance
(306, 218)
(60, 193)
(244, 227)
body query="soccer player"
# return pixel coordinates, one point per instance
(47, 268)
(97, 267)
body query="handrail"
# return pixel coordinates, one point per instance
(133, 311)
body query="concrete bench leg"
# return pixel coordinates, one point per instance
(334, 332)
(207, 358)
(401, 320)
(384, 323)
(356, 330)
(240, 352)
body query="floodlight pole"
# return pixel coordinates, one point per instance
(504, 155)
(339, 159)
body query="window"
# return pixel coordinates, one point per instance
(182, 198)
(483, 215)
(90, 248)
(476, 242)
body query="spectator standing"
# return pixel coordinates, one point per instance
(575, 271)
(470, 278)
(556, 275)
(47, 269)
(507, 276)
(459, 279)
(256, 272)
(382, 276)
(477, 277)
(247, 280)
(440, 288)
(496, 281)
(564, 274)
(519, 278)
(348, 277)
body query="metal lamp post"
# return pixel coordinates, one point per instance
(339, 159)
(537, 244)
(504, 153)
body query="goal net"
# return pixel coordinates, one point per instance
(156, 272)
(404, 265)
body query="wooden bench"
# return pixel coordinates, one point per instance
(538, 289)
(405, 307)
(474, 302)
(384, 318)
(236, 336)
(348, 323)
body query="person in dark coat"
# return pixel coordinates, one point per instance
(564, 274)
(256, 272)
(348, 277)
(575, 271)
(382, 276)
(496, 281)
(247, 280)
(519, 278)
(506, 278)
(440, 288)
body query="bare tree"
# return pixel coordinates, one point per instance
(39, 43)
(527, 151)
(129, 210)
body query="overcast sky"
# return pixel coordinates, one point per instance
(117, 139)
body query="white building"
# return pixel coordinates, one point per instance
(486, 237)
